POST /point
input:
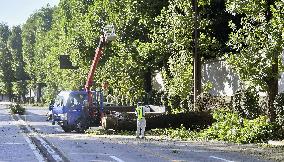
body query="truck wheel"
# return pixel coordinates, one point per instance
(80, 126)
(66, 128)
(52, 119)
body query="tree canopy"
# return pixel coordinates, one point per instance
(153, 36)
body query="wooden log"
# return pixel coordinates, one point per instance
(192, 120)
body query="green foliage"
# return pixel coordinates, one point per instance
(228, 126)
(257, 43)
(181, 71)
(246, 103)
(6, 71)
(152, 36)
(181, 133)
(173, 36)
(75, 31)
(173, 41)
(17, 109)
(206, 87)
(36, 45)
(231, 127)
(18, 64)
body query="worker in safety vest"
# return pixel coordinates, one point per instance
(141, 121)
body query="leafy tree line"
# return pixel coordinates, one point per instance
(152, 36)
(13, 76)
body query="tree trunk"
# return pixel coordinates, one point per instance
(196, 55)
(272, 92)
(10, 91)
(148, 85)
(273, 88)
(166, 95)
(273, 82)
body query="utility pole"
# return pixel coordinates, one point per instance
(196, 56)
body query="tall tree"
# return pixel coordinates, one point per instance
(36, 46)
(6, 58)
(15, 47)
(173, 42)
(258, 43)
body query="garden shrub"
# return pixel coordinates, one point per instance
(246, 103)
(203, 101)
(207, 102)
(17, 109)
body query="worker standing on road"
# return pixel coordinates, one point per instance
(50, 107)
(141, 121)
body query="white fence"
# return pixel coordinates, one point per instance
(224, 80)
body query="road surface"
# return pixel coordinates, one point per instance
(30, 138)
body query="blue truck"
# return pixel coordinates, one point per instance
(70, 110)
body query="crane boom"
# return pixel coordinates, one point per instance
(108, 36)
(90, 78)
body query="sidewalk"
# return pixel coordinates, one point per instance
(5, 103)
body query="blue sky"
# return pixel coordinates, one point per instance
(16, 12)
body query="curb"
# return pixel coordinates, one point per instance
(276, 143)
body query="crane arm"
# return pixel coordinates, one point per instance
(108, 36)
(89, 82)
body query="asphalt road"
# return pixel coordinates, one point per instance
(30, 138)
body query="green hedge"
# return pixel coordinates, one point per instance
(17, 109)
(228, 126)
